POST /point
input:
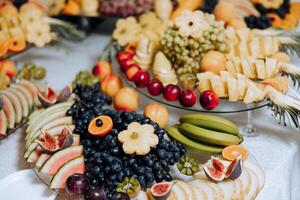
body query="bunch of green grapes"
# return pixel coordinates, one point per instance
(185, 52)
(85, 78)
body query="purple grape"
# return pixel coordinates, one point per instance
(96, 194)
(77, 184)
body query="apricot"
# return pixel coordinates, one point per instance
(17, 42)
(111, 85)
(8, 68)
(158, 113)
(102, 69)
(127, 99)
(237, 24)
(72, 8)
(213, 61)
(224, 11)
(8, 10)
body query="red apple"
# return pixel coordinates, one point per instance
(188, 98)
(125, 64)
(209, 100)
(131, 72)
(141, 79)
(171, 92)
(155, 87)
(102, 69)
(123, 55)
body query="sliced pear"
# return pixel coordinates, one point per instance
(251, 62)
(237, 65)
(268, 45)
(258, 171)
(254, 186)
(242, 85)
(241, 50)
(254, 47)
(247, 69)
(178, 192)
(231, 35)
(246, 181)
(244, 34)
(260, 69)
(198, 193)
(187, 190)
(275, 45)
(204, 81)
(228, 188)
(230, 68)
(272, 68)
(217, 85)
(239, 190)
(233, 90)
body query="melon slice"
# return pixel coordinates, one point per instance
(57, 160)
(204, 81)
(205, 186)
(254, 186)
(26, 93)
(24, 103)
(16, 103)
(9, 111)
(187, 190)
(74, 166)
(3, 123)
(50, 122)
(55, 131)
(258, 171)
(40, 87)
(239, 190)
(178, 192)
(228, 188)
(198, 192)
(246, 181)
(33, 90)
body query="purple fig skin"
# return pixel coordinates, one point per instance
(69, 139)
(237, 169)
(45, 102)
(50, 151)
(65, 94)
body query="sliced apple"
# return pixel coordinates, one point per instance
(3, 123)
(258, 171)
(25, 91)
(16, 103)
(24, 103)
(254, 186)
(9, 111)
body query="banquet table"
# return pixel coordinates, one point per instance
(276, 148)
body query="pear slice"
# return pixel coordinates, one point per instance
(251, 62)
(271, 67)
(198, 193)
(230, 68)
(187, 190)
(233, 90)
(268, 45)
(241, 50)
(254, 47)
(204, 81)
(239, 190)
(205, 186)
(228, 188)
(243, 34)
(246, 181)
(258, 171)
(254, 186)
(178, 192)
(247, 69)
(231, 35)
(260, 69)
(237, 65)
(218, 86)
(275, 45)
(242, 86)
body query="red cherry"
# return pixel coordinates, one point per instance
(188, 98)
(131, 71)
(155, 87)
(171, 92)
(125, 64)
(141, 79)
(209, 100)
(123, 55)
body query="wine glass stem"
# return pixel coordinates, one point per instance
(249, 129)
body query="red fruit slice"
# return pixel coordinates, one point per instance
(49, 143)
(60, 158)
(3, 123)
(48, 98)
(72, 167)
(22, 100)
(16, 103)
(218, 165)
(9, 111)
(25, 91)
(160, 190)
(33, 90)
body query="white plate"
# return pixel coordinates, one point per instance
(24, 185)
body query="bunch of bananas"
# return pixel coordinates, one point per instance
(205, 133)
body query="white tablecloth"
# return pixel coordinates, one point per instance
(276, 148)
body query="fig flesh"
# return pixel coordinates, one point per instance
(213, 174)
(234, 170)
(161, 191)
(218, 165)
(48, 98)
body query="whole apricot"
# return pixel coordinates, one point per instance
(158, 113)
(102, 69)
(111, 85)
(127, 99)
(224, 11)
(8, 68)
(213, 61)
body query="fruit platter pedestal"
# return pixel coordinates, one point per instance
(276, 148)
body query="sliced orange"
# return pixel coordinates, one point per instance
(234, 151)
(100, 126)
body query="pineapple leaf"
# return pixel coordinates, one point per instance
(294, 77)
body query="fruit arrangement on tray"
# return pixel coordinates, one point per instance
(196, 51)
(86, 148)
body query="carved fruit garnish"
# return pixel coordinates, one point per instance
(100, 126)
(51, 144)
(130, 186)
(234, 170)
(161, 190)
(188, 165)
(213, 174)
(48, 98)
(65, 94)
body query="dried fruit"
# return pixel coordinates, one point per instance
(100, 126)
(48, 98)
(161, 190)
(130, 186)
(188, 165)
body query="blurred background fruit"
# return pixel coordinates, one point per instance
(158, 113)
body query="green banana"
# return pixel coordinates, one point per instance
(208, 136)
(190, 144)
(210, 122)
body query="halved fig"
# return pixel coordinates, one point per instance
(162, 190)
(218, 165)
(48, 98)
(49, 143)
(66, 138)
(213, 174)
(234, 170)
(65, 94)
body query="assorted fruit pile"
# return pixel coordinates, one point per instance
(22, 26)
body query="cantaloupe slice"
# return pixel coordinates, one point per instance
(254, 186)
(23, 101)
(16, 103)
(187, 190)
(3, 123)
(72, 167)
(258, 171)
(198, 193)
(26, 93)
